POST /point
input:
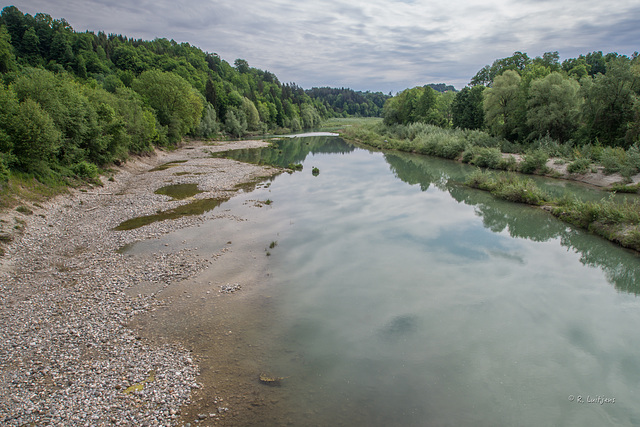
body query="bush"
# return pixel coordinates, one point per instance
(613, 159)
(85, 169)
(4, 170)
(579, 166)
(535, 160)
(482, 139)
(508, 187)
(483, 157)
(520, 190)
(508, 163)
(480, 179)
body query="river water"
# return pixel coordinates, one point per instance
(398, 296)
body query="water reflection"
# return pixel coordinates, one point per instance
(291, 151)
(401, 297)
(619, 265)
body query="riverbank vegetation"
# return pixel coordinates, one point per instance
(614, 220)
(585, 112)
(528, 115)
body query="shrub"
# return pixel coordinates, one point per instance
(508, 187)
(85, 169)
(4, 169)
(579, 166)
(483, 157)
(480, 179)
(613, 159)
(535, 160)
(508, 163)
(520, 191)
(482, 139)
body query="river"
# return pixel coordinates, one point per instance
(391, 294)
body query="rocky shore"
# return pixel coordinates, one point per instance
(67, 356)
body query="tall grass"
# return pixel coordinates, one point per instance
(616, 221)
(509, 186)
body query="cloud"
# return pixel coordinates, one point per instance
(385, 45)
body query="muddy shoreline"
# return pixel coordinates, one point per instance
(73, 350)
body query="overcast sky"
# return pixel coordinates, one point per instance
(377, 45)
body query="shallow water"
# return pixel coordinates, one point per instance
(398, 296)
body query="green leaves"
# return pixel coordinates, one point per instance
(554, 107)
(177, 104)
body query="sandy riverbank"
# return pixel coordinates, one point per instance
(68, 350)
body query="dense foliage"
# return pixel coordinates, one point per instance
(71, 102)
(592, 99)
(347, 102)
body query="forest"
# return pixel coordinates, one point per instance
(72, 102)
(589, 99)
(584, 111)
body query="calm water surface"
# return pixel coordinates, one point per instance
(405, 298)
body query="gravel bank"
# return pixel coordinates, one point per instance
(66, 356)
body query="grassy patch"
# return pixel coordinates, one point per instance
(508, 186)
(616, 221)
(623, 188)
(22, 188)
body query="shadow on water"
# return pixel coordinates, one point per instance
(518, 220)
(618, 264)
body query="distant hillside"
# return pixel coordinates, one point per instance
(441, 87)
(71, 101)
(347, 102)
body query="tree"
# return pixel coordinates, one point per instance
(251, 113)
(177, 104)
(610, 99)
(467, 111)
(35, 137)
(241, 65)
(7, 58)
(501, 103)
(426, 102)
(31, 46)
(554, 107)
(486, 76)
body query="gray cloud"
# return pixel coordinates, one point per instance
(385, 45)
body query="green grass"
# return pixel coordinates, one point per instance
(623, 188)
(22, 188)
(337, 124)
(616, 221)
(509, 186)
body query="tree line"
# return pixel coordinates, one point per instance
(71, 102)
(591, 99)
(346, 102)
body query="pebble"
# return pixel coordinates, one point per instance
(66, 354)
